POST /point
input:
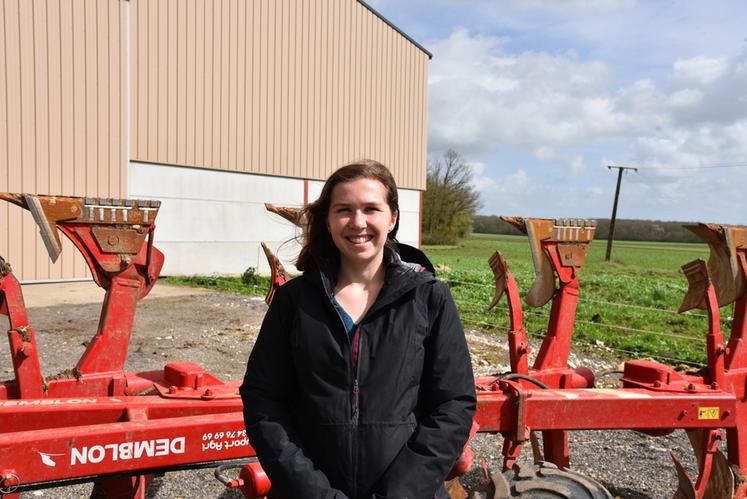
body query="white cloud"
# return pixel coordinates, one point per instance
(482, 96)
(700, 69)
(574, 161)
(555, 106)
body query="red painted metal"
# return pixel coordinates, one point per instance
(98, 422)
(255, 482)
(552, 398)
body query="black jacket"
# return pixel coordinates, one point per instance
(394, 428)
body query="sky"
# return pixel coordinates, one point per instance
(540, 96)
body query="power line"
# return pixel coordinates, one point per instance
(701, 167)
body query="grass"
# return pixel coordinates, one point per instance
(628, 304)
(223, 283)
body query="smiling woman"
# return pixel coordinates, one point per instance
(360, 383)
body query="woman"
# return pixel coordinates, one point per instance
(360, 383)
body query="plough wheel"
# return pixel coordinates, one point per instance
(544, 480)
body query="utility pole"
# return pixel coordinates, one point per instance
(620, 170)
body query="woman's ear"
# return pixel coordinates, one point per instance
(393, 221)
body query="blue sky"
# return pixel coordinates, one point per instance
(540, 95)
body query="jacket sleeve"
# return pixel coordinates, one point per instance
(266, 394)
(446, 407)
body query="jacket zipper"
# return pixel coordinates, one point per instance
(354, 344)
(355, 402)
(355, 351)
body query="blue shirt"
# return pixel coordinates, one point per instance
(347, 321)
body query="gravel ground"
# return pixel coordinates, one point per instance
(217, 331)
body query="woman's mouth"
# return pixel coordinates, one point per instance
(359, 239)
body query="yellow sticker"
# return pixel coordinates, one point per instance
(708, 412)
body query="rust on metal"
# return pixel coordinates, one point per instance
(122, 240)
(698, 280)
(500, 268)
(73, 373)
(278, 274)
(572, 255)
(725, 243)
(569, 233)
(117, 214)
(5, 267)
(293, 215)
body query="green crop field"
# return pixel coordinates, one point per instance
(628, 304)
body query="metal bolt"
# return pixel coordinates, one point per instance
(172, 389)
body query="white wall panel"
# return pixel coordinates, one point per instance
(196, 183)
(213, 221)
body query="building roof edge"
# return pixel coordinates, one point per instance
(395, 28)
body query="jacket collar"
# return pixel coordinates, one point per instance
(400, 277)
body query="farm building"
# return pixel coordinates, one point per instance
(212, 106)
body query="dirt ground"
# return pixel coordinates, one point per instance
(217, 331)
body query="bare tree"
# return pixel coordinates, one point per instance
(450, 199)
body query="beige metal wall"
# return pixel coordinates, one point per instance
(278, 87)
(62, 116)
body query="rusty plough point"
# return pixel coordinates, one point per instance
(567, 231)
(723, 263)
(278, 276)
(500, 268)
(698, 279)
(293, 215)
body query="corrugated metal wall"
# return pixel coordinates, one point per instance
(62, 116)
(277, 87)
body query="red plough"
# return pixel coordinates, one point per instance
(96, 422)
(654, 398)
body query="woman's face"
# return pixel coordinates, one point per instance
(360, 219)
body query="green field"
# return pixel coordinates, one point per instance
(629, 304)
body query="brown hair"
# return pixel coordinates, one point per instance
(316, 237)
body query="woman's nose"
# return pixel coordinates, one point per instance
(358, 220)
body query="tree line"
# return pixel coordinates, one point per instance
(625, 229)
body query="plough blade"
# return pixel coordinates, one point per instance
(543, 286)
(723, 262)
(698, 279)
(293, 215)
(500, 268)
(543, 229)
(715, 480)
(48, 211)
(278, 274)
